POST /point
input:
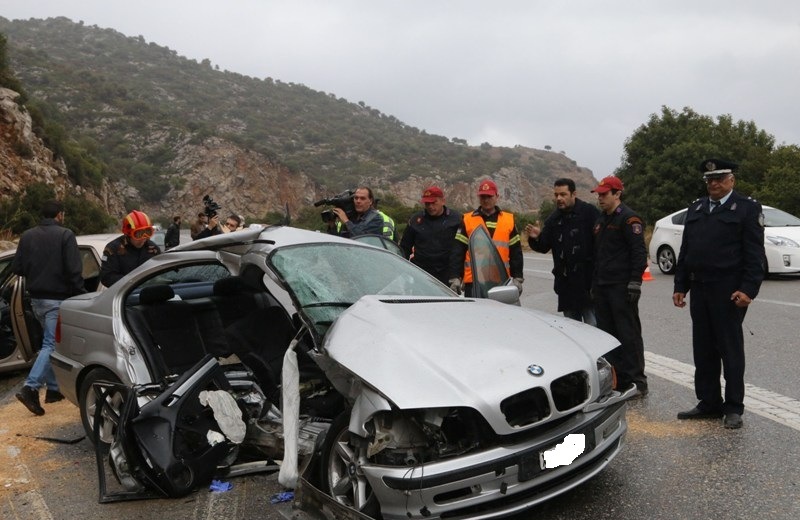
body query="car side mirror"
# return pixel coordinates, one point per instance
(505, 294)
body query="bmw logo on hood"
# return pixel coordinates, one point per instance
(535, 370)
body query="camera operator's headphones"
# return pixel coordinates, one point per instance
(137, 225)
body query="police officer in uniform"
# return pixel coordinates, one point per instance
(620, 260)
(721, 262)
(428, 239)
(503, 230)
(127, 252)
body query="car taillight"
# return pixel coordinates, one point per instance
(58, 329)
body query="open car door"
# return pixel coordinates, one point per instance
(27, 329)
(488, 268)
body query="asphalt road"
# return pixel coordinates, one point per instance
(668, 469)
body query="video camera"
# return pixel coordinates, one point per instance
(210, 207)
(343, 201)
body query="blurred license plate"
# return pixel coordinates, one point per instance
(562, 454)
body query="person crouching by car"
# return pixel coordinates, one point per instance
(127, 252)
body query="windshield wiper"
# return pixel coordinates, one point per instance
(327, 304)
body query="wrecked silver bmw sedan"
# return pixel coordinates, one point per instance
(369, 379)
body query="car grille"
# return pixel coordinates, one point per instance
(532, 405)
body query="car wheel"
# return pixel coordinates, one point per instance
(343, 452)
(88, 401)
(666, 260)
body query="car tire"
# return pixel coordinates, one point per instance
(666, 260)
(88, 402)
(341, 477)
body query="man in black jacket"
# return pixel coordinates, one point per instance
(428, 239)
(172, 237)
(568, 233)
(49, 259)
(721, 263)
(620, 260)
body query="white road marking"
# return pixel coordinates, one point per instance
(777, 302)
(776, 407)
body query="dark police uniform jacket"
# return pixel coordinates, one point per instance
(726, 244)
(569, 235)
(620, 254)
(430, 240)
(120, 258)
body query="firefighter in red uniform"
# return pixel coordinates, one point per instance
(503, 231)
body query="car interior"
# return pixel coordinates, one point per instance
(233, 319)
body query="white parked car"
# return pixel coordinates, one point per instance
(781, 241)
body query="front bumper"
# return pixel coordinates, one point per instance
(502, 480)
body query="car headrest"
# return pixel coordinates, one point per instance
(231, 286)
(156, 294)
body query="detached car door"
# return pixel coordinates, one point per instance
(488, 268)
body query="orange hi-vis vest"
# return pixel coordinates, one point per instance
(501, 237)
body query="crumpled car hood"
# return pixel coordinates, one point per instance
(458, 352)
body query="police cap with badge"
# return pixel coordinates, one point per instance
(717, 168)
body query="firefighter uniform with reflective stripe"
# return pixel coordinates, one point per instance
(505, 236)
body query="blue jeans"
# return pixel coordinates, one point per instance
(41, 373)
(585, 315)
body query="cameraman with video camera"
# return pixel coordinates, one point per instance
(365, 220)
(210, 208)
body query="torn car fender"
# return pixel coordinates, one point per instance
(367, 403)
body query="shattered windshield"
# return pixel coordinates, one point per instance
(326, 278)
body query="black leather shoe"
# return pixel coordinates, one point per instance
(697, 413)
(732, 421)
(52, 396)
(30, 398)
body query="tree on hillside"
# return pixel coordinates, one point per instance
(22, 213)
(782, 180)
(661, 159)
(7, 78)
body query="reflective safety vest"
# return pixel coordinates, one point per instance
(388, 226)
(501, 237)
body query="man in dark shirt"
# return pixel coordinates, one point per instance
(428, 239)
(620, 260)
(568, 233)
(49, 259)
(721, 263)
(130, 250)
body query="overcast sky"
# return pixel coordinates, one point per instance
(580, 76)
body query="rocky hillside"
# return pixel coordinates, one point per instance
(24, 159)
(167, 130)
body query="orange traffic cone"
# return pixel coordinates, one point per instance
(647, 276)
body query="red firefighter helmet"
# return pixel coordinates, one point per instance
(136, 224)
